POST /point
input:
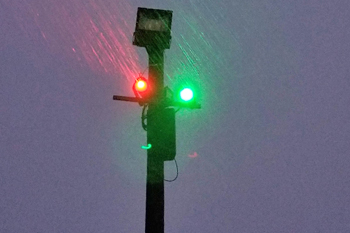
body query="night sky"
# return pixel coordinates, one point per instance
(268, 151)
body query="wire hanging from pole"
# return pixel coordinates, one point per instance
(177, 173)
(144, 117)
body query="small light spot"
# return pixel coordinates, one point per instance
(149, 146)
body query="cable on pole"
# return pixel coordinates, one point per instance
(177, 173)
(144, 117)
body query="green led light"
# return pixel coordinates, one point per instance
(149, 146)
(186, 94)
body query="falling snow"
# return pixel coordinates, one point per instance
(268, 151)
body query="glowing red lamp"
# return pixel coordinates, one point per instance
(141, 85)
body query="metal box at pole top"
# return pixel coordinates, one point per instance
(161, 133)
(153, 28)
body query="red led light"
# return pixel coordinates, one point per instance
(140, 85)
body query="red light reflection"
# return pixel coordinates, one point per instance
(194, 155)
(93, 32)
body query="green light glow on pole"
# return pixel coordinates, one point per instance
(186, 94)
(149, 146)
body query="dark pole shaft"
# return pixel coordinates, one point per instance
(155, 163)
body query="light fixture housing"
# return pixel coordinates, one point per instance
(153, 28)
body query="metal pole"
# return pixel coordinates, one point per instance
(155, 162)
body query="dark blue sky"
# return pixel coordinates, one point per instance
(272, 137)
